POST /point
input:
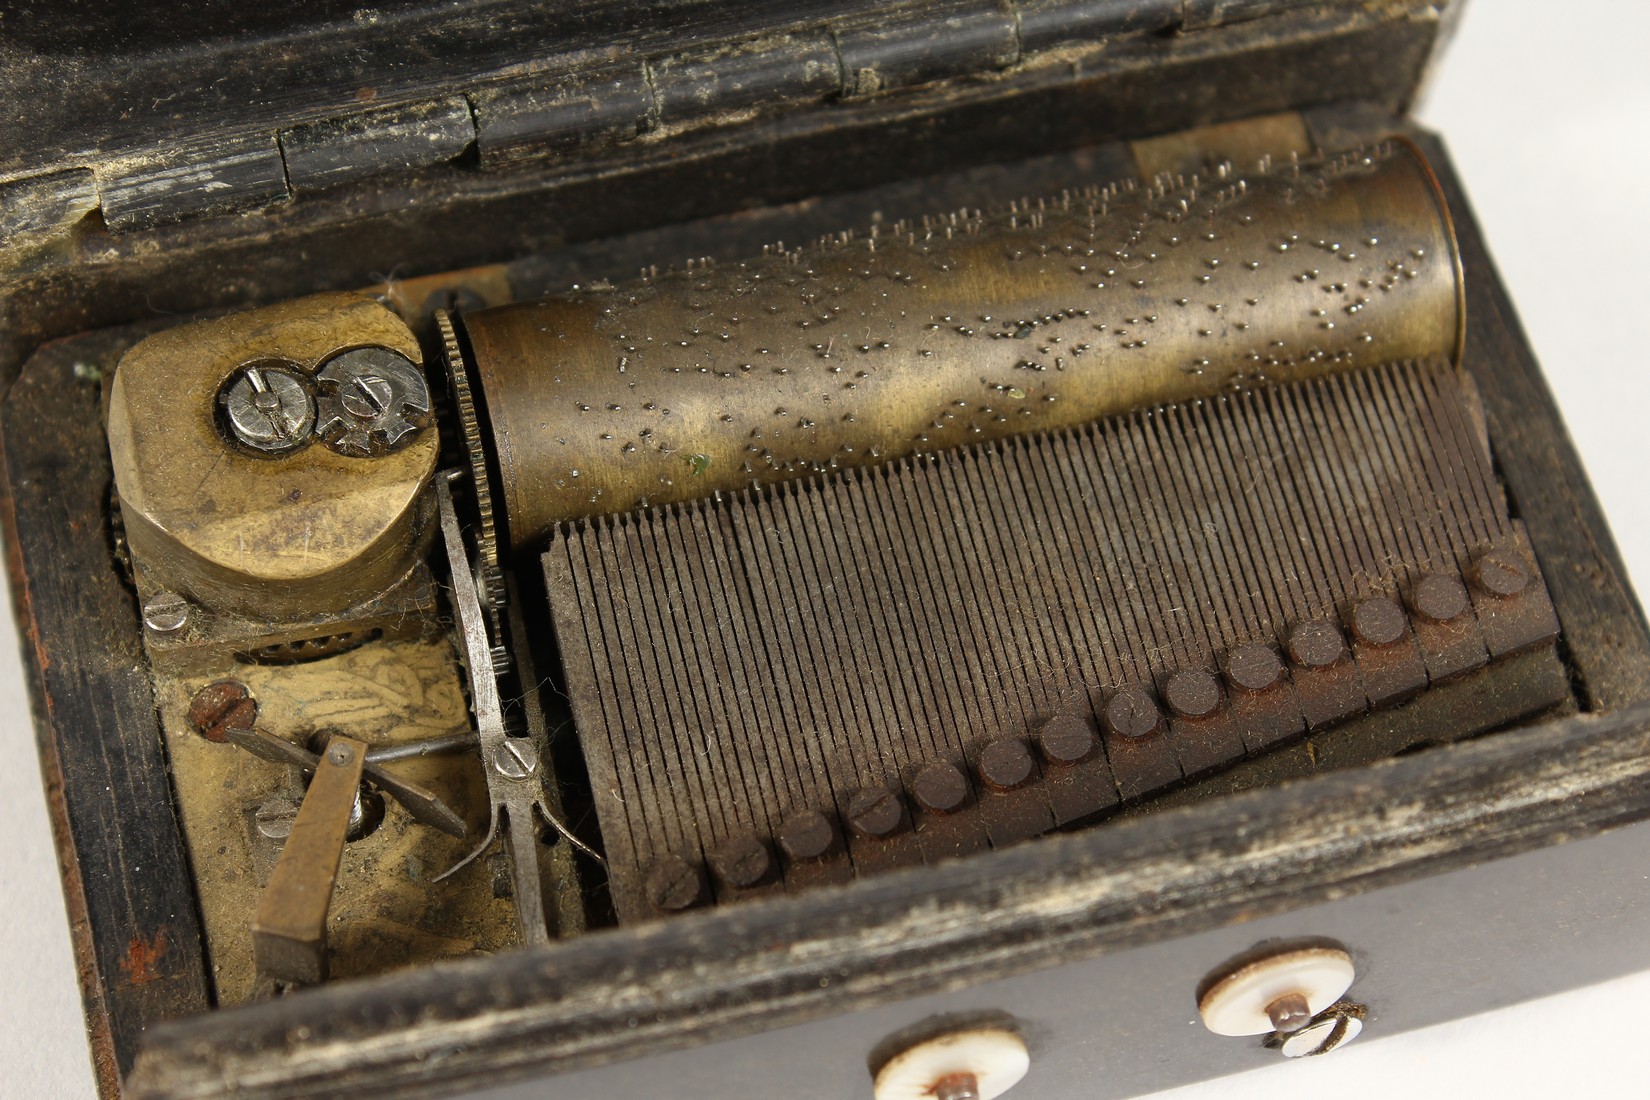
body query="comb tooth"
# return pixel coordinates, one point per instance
(1448, 649)
(1333, 692)
(728, 619)
(1212, 738)
(1447, 401)
(1140, 765)
(1457, 646)
(764, 764)
(1408, 496)
(903, 725)
(643, 757)
(1265, 717)
(1392, 670)
(661, 681)
(1062, 484)
(732, 662)
(662, 620)
(810, 555)
(1210, 526)
(1023, 812)
(1076, 788)
(803, 711)
(1262, 457)
(1459, 397)
(927, 687)
(1259, 718)
(824, 550)
(968, 660)
(1169, 606)
(811, 637)
(589, 682)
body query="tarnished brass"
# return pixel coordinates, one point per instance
(1280, 137)
(271, 538)
(289, 931)
(386, 911)
(919, 337)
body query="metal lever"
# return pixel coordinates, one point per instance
(515, 789)
(424, 807)
(289, 930)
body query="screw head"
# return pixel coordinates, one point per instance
(742, 862)
(515, 759)
(273, 818)
(1501, 571)
(1289, 1013)
(1192, 693)
(166, 613)
(806, 835)
(1254, 667)
(1006, 764)
(875, 812)
(373, 400)
(221, 706)
(268, 408)
(1133, 713)
(1379, 621)
(1254, 996)
(1316, 643)
(957, 1086)
(674, 884)
(971, 1064)
(366, 397)
(1440, 597)
(340, 755)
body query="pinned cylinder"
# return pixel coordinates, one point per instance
(927, 335)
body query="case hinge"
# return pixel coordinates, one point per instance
(552, 112)
(1203, 14)
(233, 174)
(925, 46)
(343, 150)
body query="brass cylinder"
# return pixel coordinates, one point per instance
(971, 326)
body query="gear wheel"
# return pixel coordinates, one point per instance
(372, 401)
(490, 570)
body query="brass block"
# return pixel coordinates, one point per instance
(276, 538)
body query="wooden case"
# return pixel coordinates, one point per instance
(228, 156)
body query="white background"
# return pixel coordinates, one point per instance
(1546, 106)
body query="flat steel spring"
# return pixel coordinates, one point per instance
(801, 683)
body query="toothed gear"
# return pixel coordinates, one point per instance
(490, 571)
(372, 401)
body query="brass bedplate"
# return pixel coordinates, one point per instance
(748, 578)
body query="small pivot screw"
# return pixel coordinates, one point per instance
(268, 408)
(515, 759)
(166, 613)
